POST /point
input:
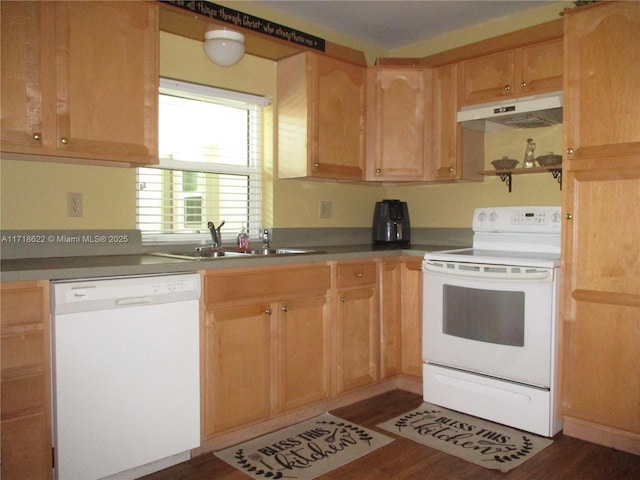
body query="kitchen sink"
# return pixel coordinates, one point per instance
(206, 254)
(281, 251)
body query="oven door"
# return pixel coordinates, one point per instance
(496, 320)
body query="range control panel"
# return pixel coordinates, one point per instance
(517, 219)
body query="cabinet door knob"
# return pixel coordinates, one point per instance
(359, 274)
(268, 311)
(523, 84)
(570, 151)
(451, 170)
(378, 171)
(64, 140)
(284, 308)
(507, 88)
(316, 165)
(343, 298)
(37, 136)
(569, 216)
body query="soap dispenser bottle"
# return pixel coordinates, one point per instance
(243, 240)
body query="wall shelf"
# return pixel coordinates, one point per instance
(506, 175)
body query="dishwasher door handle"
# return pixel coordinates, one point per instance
(126, 302)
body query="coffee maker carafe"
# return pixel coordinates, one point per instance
(391, 224)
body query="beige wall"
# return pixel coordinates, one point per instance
(33, 194)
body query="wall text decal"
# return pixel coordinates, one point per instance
(250, 22)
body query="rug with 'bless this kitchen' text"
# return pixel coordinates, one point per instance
(305, 450)
(475, 440)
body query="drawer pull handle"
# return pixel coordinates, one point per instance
(343, 299)
(359, 274)
(284, 308)
(268, 311)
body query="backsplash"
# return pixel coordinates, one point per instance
(77, 243)
(68, 243)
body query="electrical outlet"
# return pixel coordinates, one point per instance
(74, 204)
(326, 209)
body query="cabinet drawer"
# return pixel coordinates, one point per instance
(26, 452)
(23, 394)
(22, 306)
(356, 274)
(23, 350)
(265, 282)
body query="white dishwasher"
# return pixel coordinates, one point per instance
(126, 386)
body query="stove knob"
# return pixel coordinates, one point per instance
(556, 217)
(493, 216)
(482, 217)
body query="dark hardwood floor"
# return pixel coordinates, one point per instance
(566, 458)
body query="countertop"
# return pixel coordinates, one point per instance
(66, 268)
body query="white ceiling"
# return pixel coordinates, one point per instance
(390, 24)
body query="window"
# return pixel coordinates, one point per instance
(210, 169)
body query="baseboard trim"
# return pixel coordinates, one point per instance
(602, 435)
(226, 439)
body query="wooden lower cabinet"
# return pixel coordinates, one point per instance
(357, 325)
(278, 339)
(401, 322)
(303, 351)
(237, 374)
(390, 317)
(26, 389)
(265, 343)
(411, 316)
(601, 301)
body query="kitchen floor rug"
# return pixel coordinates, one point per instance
(305, 450)
(475, 440)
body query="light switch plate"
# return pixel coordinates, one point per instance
(326, 209)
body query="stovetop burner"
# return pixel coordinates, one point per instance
(527, 236)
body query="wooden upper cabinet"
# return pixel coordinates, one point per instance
(86, 85)
(23, 75)
(602, 87)
(321, 118)
(447, 132)
(398, 104)
(455, 154)
(514, 73)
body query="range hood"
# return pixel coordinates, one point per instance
(526, 112)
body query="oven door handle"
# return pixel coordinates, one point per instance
(476, 270)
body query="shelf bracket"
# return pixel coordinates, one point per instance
(506, 177)
(557, 174)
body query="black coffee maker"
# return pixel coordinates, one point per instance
(391, 224)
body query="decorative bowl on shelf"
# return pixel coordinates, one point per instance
(549, 160)
(504, 163)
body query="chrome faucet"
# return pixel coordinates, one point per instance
(216, 239)
(265, 239)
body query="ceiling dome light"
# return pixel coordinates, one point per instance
(224, 47)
